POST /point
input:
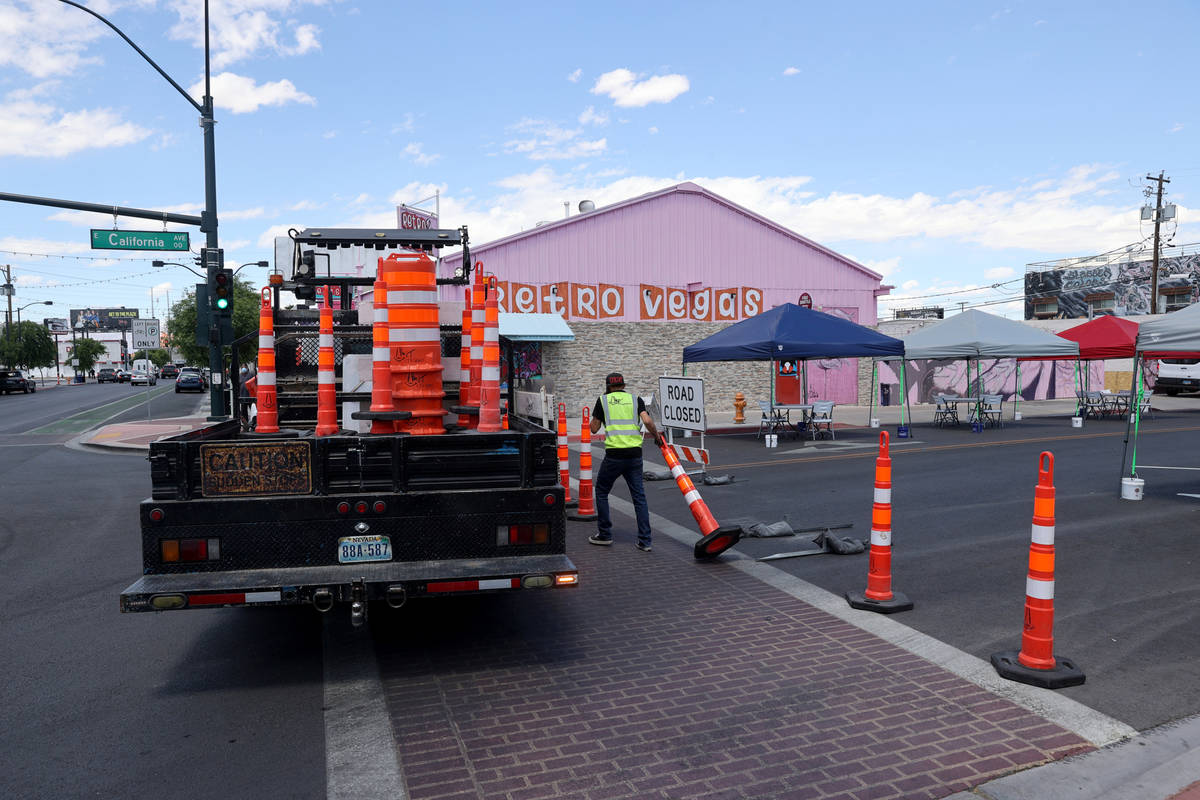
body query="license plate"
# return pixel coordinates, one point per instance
(357, 549)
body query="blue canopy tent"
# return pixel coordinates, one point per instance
(792, 332)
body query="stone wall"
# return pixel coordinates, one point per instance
(643, 351)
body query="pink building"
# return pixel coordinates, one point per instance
(619, 274)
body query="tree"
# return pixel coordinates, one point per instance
(158, 357)
(182, 325)
(87, 351)
(27, 345)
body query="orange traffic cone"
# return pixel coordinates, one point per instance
(489, 386)
(564, 463)
(268, 410)
(327, 424)
(587, 498)
(714, 539)
(1036, 664)
(879, 595)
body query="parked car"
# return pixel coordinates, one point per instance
(13, 380)
(189, 380)
(107, 375)
(169, 371)
(139, 378)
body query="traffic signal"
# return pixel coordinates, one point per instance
(220, 294)
(307, 268)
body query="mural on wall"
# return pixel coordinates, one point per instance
(1128, 283)
(1040, 380)
(526, 359)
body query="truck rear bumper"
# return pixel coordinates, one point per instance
(394, 582)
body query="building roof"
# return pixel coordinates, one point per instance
(682, 188)
(535, 328)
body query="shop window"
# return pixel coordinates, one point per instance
(1101, 303)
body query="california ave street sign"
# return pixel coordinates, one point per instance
(139, 240)
(146, 334)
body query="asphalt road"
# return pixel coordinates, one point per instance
(1127, 591)
(95, 703)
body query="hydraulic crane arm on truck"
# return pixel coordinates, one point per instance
(241, 518)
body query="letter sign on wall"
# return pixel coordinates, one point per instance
(682, 402)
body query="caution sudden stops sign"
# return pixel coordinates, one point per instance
(682, 402)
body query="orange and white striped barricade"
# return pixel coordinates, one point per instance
(382, 414)
(464, 356)
(268, 407)
(327, 424)
(489, 382)
(564, 457)
(879, 595)
(714, 539)
(414, 337)
(587, 497)
(478, 327)
(1036, 663)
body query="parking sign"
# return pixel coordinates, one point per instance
(145, 334)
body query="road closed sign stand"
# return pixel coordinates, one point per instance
(681, 401)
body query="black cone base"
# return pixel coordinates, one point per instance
(571, 504)
(584, 517)
(284, 433)
(1065, 674)
(899, 602)
(717, 542)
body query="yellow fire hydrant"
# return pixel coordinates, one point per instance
(739, 408)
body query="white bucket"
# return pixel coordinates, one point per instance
(1016, 416)
(772, 439)
(874, 422)
(1076, 422)
(1131, 488)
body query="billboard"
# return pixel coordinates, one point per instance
(56, 325)
(102, 319)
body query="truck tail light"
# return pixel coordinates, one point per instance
(178, 550)
(527, 533)
(567, 579)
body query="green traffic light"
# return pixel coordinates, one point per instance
(223, 303)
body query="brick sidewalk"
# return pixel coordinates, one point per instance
(659, 677)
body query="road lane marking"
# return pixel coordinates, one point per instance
(1094, 726)
(361, 759)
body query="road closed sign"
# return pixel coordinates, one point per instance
(682, 402)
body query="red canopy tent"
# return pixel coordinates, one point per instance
(1102, 337)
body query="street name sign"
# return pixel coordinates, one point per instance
(145, 334)
(140, 240)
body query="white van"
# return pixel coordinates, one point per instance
(1177, 375)
(144, 365)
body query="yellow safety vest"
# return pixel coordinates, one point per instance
(621, 427)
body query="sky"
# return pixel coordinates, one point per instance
(944, 145)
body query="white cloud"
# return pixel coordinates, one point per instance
(575, 76)
(242, 95)
(791, 71)
(362, 198)
(590, 117)
(653, 129)
(885, 267)
(405, 125)
(1176, 128)
(329, 135)
(304, 205)
(543, 141)
(245, 213)
(242, 29)
(46, 39)
(35, 129)
(627, 91)
(414, 151)
(999, 273)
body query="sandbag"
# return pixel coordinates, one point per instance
(764, 530)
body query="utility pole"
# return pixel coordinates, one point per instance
(8, 290)
(1157, 221)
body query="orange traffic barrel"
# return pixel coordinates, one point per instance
(1036, 663)
(489, 383)
(327, 424)
(879, 595)
(414, 338)
(564, 462)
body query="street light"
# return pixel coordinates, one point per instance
(177, 264)
(263, 264)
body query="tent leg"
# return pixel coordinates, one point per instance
(1129, 420)
(874, 376)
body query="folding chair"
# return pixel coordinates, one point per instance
(991, 410)
(944, 412)
(1093, 405)
(821, 419)
(772, 418)
(1144, 409)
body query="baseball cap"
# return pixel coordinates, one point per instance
(614, 379)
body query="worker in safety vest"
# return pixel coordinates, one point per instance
(619, 412)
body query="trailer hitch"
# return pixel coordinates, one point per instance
(358, 602)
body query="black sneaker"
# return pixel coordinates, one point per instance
(600, 540)
(645, 548)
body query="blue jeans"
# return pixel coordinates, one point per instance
(631, 470)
